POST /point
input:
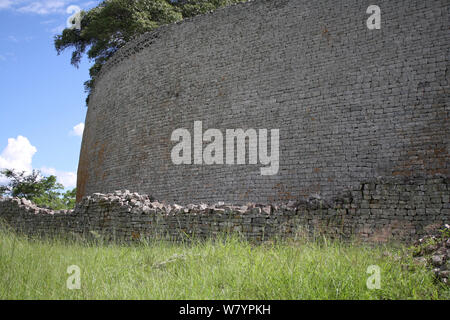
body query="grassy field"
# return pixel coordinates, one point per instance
(222, 269)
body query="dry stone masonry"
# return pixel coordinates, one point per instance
(350, 103)
(363, 120)
(378, 210)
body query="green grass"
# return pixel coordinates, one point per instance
(222, 269)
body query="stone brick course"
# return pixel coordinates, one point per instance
(351, 104)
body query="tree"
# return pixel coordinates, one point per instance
(107, 27)
(43, 191)
(190, 8)
(110, 25)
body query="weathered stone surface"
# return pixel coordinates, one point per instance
(351, 103)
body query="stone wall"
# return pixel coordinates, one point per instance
(378, 210)
(351, 104)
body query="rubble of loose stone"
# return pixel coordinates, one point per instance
(434, 250)
(142, 204)
(30, 207)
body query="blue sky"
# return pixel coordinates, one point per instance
(42, 99)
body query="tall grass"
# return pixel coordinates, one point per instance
(227, 268)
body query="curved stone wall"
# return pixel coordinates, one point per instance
(350, 103)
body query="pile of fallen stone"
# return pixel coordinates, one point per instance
(30, 207)
(434, 250)
(135, 203)
(142, 204)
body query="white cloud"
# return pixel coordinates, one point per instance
(41, 7)
(89, 4)
(55, 8)
(66, 178)
(18, 155)
(5, 4)
(78, 130)
(44, 7)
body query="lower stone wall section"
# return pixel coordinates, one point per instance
(380, 210)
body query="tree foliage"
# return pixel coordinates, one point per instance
(190, 8)
(43, 191)
(110, 25)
